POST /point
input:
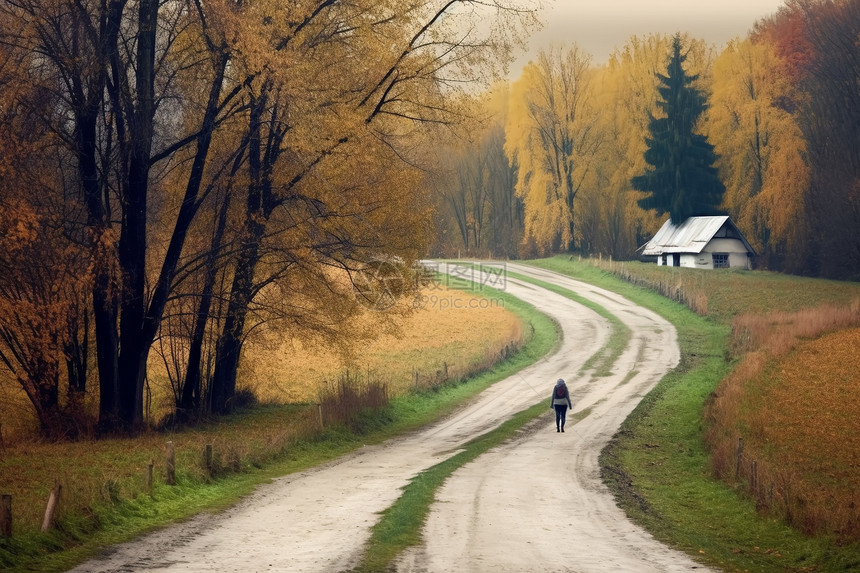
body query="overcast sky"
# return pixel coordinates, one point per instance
(599, 26)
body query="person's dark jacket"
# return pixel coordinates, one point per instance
(556, 400)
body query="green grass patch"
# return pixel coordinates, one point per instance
(401, 524)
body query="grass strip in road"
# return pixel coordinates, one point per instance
(619, 336)
(401, 524)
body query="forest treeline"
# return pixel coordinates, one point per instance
(176, 174)
(552, 170)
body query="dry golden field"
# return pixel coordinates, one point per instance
(454, 328)
(803, 421)
(792, 400)
(460, 329)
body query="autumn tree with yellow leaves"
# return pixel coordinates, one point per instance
(223, 153)
(626, 97)
(478, 209)
(552, 139)
(761, 148)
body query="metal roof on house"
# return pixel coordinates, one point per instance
(691, 236)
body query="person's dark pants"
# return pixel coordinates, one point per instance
(560, 415)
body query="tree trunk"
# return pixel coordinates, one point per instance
(42, 388)
(230, 342)
(571, 243)
(76, 352)
(104, 305)
(132, 245)
(191, 389)
(241, 292)
(105, 312)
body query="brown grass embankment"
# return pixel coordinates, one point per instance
(784, 425)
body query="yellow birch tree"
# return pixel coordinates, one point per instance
(552, 137)
(760, 145)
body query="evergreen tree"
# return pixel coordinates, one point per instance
(681, 179)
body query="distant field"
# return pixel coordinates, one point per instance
(727, 293)
(454, 328)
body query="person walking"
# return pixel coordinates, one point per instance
(560, 400)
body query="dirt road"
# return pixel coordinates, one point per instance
(538, 504)
(533, 505)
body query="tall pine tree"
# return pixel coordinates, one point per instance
(681, 178)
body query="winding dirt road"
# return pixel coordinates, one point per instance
(535, 504)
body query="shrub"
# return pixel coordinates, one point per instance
(345, 400)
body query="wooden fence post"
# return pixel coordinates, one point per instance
(207, 460)
(740, 457)
(6, 515)
(51, 509)
(149, 477)
(171, 464)
(754, 477)
(322, 425)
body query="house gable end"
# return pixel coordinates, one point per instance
(693, 236)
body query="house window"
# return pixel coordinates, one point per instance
(721, 260)
(664, 259)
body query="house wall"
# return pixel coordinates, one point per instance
(686, 260)
(700, 261)
(738, 257)
(740, 261)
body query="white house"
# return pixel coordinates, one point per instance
(700, 243)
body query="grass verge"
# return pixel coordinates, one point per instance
(658, 468)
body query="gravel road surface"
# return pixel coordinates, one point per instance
(535, 504)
